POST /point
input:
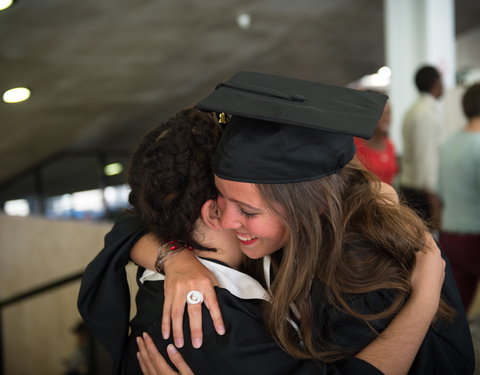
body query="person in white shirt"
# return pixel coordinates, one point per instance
(422, 134)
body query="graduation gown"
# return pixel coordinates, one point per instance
(104, 296)
(104, 304)
(447, 348)
(246, 348)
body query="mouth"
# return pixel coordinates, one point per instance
(246, 240)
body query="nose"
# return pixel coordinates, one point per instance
(229, 219)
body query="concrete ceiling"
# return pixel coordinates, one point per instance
(102, 72)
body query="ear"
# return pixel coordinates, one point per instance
(210, 214)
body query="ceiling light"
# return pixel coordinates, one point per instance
(243, 20)
(16, 95)
(4, 4)
(113, 169)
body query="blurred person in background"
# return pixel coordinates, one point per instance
(377, 154)
(459, 190)
(422, 135)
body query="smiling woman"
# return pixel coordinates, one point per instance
(342, 251)
(338, 254)
(259, 230)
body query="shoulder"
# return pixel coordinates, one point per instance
(128, 225)
(451, 141)
(426, 105)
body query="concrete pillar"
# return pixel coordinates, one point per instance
(417, 32)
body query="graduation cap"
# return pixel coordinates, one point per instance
(284, 130)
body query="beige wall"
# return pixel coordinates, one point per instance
(33, 251)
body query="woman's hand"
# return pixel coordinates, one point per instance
(153, 363)
(429, 273)
(184, 273)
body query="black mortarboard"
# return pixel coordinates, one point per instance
(288, 130)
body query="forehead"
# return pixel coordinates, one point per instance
(245, 193)
(241, 192)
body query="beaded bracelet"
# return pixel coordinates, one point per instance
(168, 250)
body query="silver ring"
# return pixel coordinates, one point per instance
(194, 297)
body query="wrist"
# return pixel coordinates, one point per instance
(424, 302)
(167, 250)
(174, 263)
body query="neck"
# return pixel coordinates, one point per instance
(223, 241)
(473, 124)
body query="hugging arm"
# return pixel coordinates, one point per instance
(391, 353)
(407, 344)
(104, 296)
(404, 335)
(439, 340)
(188, 274)
(246, 348)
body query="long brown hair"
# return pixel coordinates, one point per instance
(346, 237)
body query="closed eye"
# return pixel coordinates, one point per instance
(246, 213)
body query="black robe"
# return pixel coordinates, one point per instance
(104, 297)
(246, 347)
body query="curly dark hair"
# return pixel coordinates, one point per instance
(171, 176)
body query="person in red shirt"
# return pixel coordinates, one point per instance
(377, 154)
